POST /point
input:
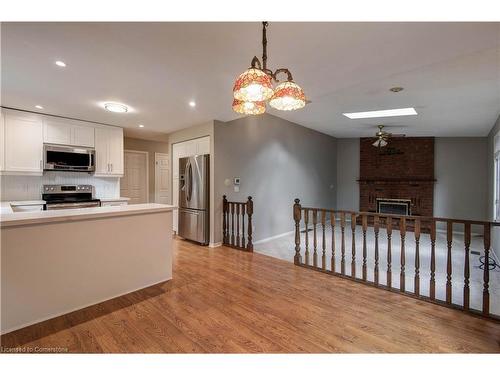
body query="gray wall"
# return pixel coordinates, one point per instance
(460, 168)
(347, 174)
(277, 161)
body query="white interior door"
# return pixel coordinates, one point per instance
(162, 178)
(134, 183)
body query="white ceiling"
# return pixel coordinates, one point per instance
(450, 72)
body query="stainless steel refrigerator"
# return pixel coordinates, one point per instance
(194, 185)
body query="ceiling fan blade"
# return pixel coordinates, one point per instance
(398, 135)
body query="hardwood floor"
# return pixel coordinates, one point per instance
(228, 301)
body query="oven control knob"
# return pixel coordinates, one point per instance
(51, 188)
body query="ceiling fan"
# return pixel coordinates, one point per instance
(382, 137)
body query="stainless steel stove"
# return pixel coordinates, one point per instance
(59, 197)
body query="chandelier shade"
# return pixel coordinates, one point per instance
(249, 108)
(253, 85)
(288, 96)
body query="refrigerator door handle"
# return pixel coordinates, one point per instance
(189, 180)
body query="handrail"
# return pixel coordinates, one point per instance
(381, 222)
(407, 217)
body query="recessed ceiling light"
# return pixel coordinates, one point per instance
(382, 113)
(60, 63)
(141, 126)
(116, 107)
(192, 104)
(396, 89)
(38, 106)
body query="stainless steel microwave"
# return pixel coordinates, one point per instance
(68, 158)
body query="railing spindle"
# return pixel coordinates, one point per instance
(238, 238)
(449, 241)
(417, 257)
(342, 249)
(486, 271)
(467, 238)
(364, 222)
(376, 225)
(297, 212)
(389, 251)
(243, 207)
(306, 222)
(402, 230)
(432, 285)
(332, 224)
(315, 254)
(323, 245)
(232, 224)
(353, 242)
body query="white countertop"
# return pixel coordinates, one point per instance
(42, 217)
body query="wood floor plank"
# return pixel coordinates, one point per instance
(223, 300)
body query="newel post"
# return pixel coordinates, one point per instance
(224, 219)
(249, 213)
(297, 213)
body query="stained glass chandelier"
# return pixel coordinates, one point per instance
(254, 87)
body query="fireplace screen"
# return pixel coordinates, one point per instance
(394, 206)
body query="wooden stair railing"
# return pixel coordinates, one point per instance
(420, 225)
(233, 217)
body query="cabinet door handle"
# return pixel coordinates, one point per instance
(111, 167)
(41, 167)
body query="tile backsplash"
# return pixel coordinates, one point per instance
(30, 187)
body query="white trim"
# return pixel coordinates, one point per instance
(147, 168)
(215, 244)
(169, 173)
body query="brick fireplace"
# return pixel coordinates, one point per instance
(401, 172)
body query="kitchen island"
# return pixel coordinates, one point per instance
(55, 262)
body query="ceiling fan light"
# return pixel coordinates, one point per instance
(380, 143)
(288, 96)
(253, 85)
(249, 108)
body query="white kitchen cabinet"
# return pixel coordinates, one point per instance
(67, 132)
(109, 151)
(23, 143)
(28, 208)
(114, 203)
(203, 146)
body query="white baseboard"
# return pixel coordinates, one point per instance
(215, 244)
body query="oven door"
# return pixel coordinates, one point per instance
(62, 158)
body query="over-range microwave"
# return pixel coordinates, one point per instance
(68, 158)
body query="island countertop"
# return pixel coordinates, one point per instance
(75, 214)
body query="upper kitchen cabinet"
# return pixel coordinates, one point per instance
(67, 132)
(22, 144)
(109, 151)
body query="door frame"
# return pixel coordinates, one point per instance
(169, 174)
(147, 168)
